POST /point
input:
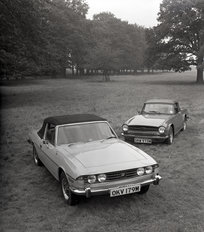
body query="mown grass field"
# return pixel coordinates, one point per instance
(30, 197)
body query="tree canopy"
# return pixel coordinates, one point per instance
(40, 36)
(45, 37)
(117, 45)
(181, 34)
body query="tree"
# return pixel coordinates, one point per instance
(151, 53)
(116, 46)
(64, 34)
(181, 34)
(38, 36)
(20, 36)
(103, 53)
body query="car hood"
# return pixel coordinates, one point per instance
(107, 156)
(148, 120)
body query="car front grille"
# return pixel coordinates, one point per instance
(111, 176)
(143, 130)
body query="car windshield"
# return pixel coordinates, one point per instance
(84, 133)
(158, 108)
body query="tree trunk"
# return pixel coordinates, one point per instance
(200, 61)
(199, 75)
(72, 70)
(200, 69)
(106, 76)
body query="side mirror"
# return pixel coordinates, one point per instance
(45, 141)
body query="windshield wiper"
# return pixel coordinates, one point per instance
(111, 137)
(71, 144)
(154, 112)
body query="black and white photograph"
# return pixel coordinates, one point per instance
(102, 115)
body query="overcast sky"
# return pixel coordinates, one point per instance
(141, 12)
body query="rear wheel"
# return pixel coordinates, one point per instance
(36, 159)
(69, 197)
(144, 189)
(170, 136)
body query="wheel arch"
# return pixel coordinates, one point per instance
(172, 126)
(60, 170)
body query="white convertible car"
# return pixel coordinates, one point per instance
(83, 152)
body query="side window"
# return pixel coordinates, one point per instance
(50, 133)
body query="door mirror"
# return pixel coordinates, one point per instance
(45, 141)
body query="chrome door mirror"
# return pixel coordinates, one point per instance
(45, 141)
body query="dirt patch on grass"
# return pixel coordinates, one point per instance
(31, 198)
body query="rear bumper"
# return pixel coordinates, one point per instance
(88, 192)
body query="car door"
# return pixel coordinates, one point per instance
(50, 156)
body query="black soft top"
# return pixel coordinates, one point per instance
(68, 119)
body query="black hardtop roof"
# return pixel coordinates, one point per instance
(74, 118)
(68, 119)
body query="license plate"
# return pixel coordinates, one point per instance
(123, 190)
(139, 140)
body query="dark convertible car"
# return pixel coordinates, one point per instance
(159, 121)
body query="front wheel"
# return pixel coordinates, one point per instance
(144, 189)
(170, 136)
(69, 197)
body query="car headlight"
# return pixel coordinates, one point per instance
(91, 179)
(101, 177)
(140, 171)
(148, 170)
(125, 127)
(161, 130)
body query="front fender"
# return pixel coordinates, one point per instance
(168, 124)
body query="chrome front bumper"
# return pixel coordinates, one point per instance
(88, 192)
(152, 137)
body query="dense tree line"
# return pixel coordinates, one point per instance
(39, 36)
(45, 37)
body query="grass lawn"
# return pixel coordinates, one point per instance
(31, 198)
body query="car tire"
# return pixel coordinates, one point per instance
(36, 159)
(144, 189)
(170, 136)
(69, 197)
